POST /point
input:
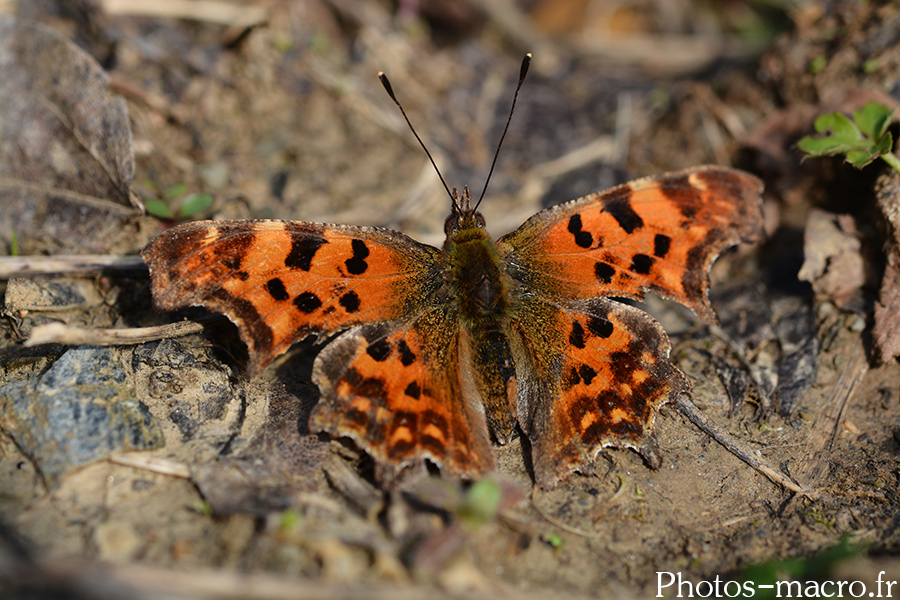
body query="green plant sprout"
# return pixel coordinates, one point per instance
(861, 140)
(190, 205)
(480, 504)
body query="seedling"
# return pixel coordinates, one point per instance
(861, 139)
(189, 206)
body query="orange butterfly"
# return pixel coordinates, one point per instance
(442, 350)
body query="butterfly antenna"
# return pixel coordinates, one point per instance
(390, 91)
(526, 62)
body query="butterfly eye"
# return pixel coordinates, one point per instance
(451, 224)
(479, 220)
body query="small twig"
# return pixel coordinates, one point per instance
(737, 448)
(60, 333)
(152, 464)
(545, 514)
(210, 11)
(853, 372)
(24, 266)
(14, 183)
(157, 102)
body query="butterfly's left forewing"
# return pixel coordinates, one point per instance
(659, 234)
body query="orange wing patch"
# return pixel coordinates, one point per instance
(604, 391)
(658, 233)
(282, 281)
(395, 391)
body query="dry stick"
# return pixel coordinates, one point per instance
(153, 464)
(852, 374)
(826, 426)
(60, 333)
(82, 264)
(734, 446)
(14, 183)
(210, 11)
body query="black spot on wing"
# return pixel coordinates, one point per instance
(350, 302)
(276, 289)
(303, 250)
(587, 374)
(307, 302)
(583, 239)
(661, 245)
(356, 264)
(604, 272)
(413, 390)
(379, 350)
(641, 263)
(576, 336)
(407, 357)
(600, 327)
(621, 210)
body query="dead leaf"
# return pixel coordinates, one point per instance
(833, 261)
(66, 161)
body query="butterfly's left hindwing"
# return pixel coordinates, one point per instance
(281, 281)
(593, 374)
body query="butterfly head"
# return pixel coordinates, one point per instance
(463, 216)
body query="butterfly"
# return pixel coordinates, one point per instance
(438, 353)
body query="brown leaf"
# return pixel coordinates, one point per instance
(833, 260)
(66, 160)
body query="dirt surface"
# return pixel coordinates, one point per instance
(190, 480)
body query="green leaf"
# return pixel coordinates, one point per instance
(873, 119)
(159, 209)
(176, 191)
(817, 64)
(481, 503)
(556, 540)
(860, 158)
(193, 204)
(840, 126)
(290, 520)
(828, 146)
(884, 145)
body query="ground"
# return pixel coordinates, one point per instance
(187, 479)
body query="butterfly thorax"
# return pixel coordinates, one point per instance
(474, 272)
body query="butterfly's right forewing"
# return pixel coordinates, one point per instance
(281, 281)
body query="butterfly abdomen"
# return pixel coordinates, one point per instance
(480, 287)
